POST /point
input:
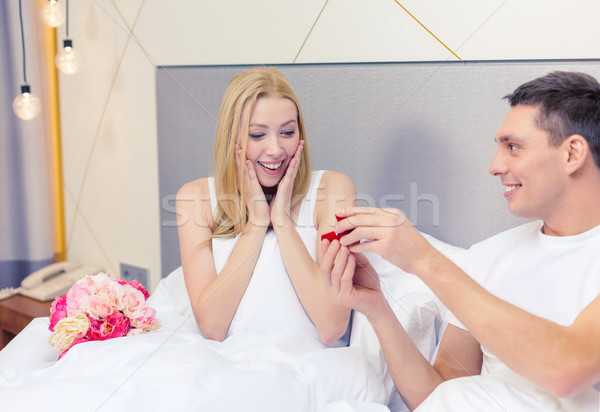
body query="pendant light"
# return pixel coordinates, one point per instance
(26, 105)
(53, 13)
(67, 58)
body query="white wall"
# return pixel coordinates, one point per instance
(108, 107)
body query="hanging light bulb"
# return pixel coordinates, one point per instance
(67, 58)
(53, 13)
(26, 105)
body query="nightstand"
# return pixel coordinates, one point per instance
(16, 312)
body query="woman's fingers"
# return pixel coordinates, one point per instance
(258, 208)
(333, 266)
(330, 250)
(283, 197)
(347, 279)
(287, 181)
(239, 165)
(342, 270)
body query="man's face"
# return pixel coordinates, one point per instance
(530, 168)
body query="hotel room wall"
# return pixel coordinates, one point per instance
(108, 109)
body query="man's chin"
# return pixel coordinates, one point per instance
(521, 212)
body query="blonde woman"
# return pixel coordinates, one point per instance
(248, 236)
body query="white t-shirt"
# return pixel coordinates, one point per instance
(553, 277)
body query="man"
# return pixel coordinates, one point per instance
(530, 307)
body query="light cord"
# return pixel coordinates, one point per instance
(22, 42)
(67, 22)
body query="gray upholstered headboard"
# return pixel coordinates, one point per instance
(416, 136)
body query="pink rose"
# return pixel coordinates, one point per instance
(97, 306)
(114, 326)
(134, 283)
(78, 292)
(111, 288)
(133, 301)
(146, 320)
(58, 311)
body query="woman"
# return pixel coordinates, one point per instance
(248, 236)
(248, 241)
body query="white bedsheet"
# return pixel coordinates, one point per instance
(175, 368)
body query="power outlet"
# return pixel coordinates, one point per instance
(130, 272)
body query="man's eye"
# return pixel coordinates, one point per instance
(512, 147)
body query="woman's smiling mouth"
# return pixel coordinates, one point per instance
(270, 167)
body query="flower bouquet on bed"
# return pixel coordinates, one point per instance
(99, 307)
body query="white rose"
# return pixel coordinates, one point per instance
(67, 330)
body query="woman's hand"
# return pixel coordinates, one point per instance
(258, 208)
(349, 278)
(281, 205)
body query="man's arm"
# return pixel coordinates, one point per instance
(565, 360)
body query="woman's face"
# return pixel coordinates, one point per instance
(273, 137)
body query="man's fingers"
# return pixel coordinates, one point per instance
(364, 247)
(368, 216)
(361, 234)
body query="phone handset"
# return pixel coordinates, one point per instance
(47, 273)
(50, 281)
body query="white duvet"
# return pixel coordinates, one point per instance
(175, 368)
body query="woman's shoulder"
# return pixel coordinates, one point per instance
(194, 197)
(336, 180)
(194, 188)
(334, 186)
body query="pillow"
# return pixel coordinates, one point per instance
(170, 296)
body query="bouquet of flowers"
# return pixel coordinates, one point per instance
(99, 307)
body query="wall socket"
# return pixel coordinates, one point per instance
(130, 272)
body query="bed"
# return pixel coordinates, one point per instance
(428, 128)
(174, 368)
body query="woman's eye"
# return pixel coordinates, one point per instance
(255, 135)
(289, 133)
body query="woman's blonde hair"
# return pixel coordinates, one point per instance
(231, 215)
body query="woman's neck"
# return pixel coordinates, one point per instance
(269, 193)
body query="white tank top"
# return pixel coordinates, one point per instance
(270, 304)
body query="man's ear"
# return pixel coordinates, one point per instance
(577, 151)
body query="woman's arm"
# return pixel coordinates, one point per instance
(351, 280)
(330, 318)
(214, 299)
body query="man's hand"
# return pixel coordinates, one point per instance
(386, 232)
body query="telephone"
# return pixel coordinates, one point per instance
(51, 281)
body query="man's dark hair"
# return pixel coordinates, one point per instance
(569, 104)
